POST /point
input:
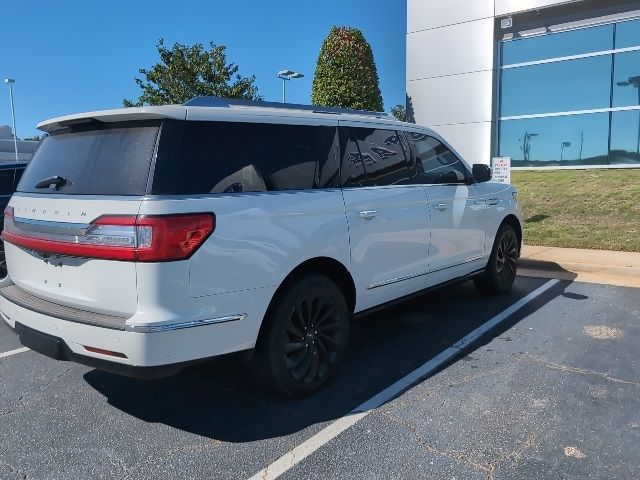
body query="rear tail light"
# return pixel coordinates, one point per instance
(135, 238)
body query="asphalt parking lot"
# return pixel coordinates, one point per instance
(552, 392)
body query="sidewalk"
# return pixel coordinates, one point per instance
(593, 266)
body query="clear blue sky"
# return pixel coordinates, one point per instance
(72, 56)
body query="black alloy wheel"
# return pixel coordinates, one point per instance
(312, 338)
(304, 337)
(501, 269)
(506, 258)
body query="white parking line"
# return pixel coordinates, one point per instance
(13, 352)
(302, 451)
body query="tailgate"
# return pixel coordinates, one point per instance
(97, 285)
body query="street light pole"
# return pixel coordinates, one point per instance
(284, 89)
(10, 82)
(287, 75)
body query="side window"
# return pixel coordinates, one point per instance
(224, 157)
(434, 162)
(353, 174)
(382, 156)
(6, 181)
(19, 172)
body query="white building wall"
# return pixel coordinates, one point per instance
(450, 67)
(449, 71)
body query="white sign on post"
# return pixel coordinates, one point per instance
(502, 170)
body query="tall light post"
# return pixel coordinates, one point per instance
(634, 82)
(563, 145)
(526, 144)
(10, 82)
(287, 75)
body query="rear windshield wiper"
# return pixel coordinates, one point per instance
(55, 182)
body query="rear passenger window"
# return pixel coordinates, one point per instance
(223, 157)
(353, 174)
(6, 181)
(435, 163)
(382, 156)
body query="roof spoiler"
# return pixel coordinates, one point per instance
(220, 102)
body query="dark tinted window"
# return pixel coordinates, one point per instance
(628, 34)
(552, 141)
(435, 163)
(382, 156)
(353, 174)
(562, 44)
(19, 172)
(6, 181)
(113, 159)
(625, 137)
(557, 87)
(221, 157)
(626, 79)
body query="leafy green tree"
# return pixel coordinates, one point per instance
(400, 112)
(184, 72)
(346, 74)
(34, 138)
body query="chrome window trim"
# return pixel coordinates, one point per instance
(136, 328)
(570, 57)
(570, 112)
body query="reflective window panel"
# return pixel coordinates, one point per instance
(628, 34)
(625, 137)
(563, 44)
(554, 141)
(557, 87)
(626, 82)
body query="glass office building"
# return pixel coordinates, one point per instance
(571, 98)
(548, 83)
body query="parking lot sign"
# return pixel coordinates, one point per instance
(501, 169)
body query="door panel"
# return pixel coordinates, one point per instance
(457, 225)
(389, 238)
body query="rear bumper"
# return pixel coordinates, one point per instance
(56, 348)
(145, 353)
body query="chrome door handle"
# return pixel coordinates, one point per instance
(493, 201)
(367, 214)
(440, 206)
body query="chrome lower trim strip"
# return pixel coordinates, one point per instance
(180, 326)
(416, 275)
(395, 280)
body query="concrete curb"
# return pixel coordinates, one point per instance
(551, 266)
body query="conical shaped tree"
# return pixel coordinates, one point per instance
(346, 74)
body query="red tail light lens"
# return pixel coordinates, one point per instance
(141, 238)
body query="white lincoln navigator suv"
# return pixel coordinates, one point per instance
(141, 240)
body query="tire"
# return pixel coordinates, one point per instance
(501, 269)
(304, 339)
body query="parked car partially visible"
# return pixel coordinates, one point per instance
(10, 174)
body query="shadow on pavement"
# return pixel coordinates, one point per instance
(220, 400)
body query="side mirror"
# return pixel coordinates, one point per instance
(481, 172)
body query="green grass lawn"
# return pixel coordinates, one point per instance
(580, 208)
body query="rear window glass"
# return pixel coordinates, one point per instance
(230, 157)
(113, 159)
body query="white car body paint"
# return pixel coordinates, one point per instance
(260, 237)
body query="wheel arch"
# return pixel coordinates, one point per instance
(514, 222)
(326, 266)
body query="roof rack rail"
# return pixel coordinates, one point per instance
(238, 102)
